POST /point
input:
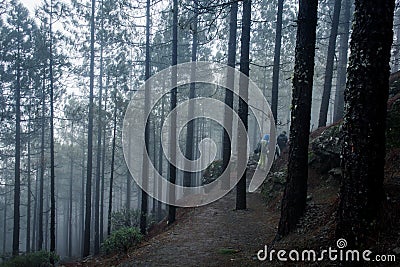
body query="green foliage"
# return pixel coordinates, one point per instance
(122, 240)
(39, 259)
(213, 171)
(125, 218)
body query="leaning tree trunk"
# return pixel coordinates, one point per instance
(326, 93)
(295, 194)
(243, 106)
(366, 96)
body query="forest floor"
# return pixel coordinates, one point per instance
(219, 235)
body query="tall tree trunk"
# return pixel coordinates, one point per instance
(112, 162)
(342, 65)
(172, 168)
(145, 166)
(71, 180)
(52, 170)
(295, 194)
(160, 162)
(82, 223)
(42, 165)
(98, 154)
(228, 117)
(5, 224)
(188, 175)
(34, 226)
(243, 106)
(103, 164)
(86, 243)
(326, 94)
(366, 96)
(29, 198)
(17, 168)
(277, 61)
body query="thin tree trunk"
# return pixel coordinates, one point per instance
(295, 194)
(326, 94)
(172, 168)
(28, 205)
(228, 117)
(52, 170)
(34, 226)
(98, 154)
(366, 96)
(145, 166)
(71, 176)
(86, 243)
(342, 65)
(277, 61)
(5, 224)
(112, 162)
(17, 168)
(243, 106)
(160, 162)
(42, 166)
(103, 164)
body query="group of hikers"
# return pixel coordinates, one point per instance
(262, 148)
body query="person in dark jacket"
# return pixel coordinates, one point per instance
(282, 142)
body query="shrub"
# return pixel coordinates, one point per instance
(122, 240)
(34, 259)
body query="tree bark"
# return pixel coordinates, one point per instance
(277, 61)
(112, 163)
(86, 243)
(17, 168)
(52, 170)
(342, 65)
(145, 166)
(295, 194)
(228, 117)
(366, 96)
(189, 144)
(172, 168)
(243, 106)
(98, 153)
(326, 94)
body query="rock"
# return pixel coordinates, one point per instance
(326, 149)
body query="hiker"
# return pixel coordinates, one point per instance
(263, 150)
(282, 142)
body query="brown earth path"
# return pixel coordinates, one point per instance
(213, 235)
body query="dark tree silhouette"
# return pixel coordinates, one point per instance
(172, 167)
(326, 93)
(295, 194)
(366, 98)
(277, 60)
(243, 106)
(88, 212)
(228, 93)
(145, 166)
(342, 64)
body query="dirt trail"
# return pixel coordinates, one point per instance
(213, 235)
